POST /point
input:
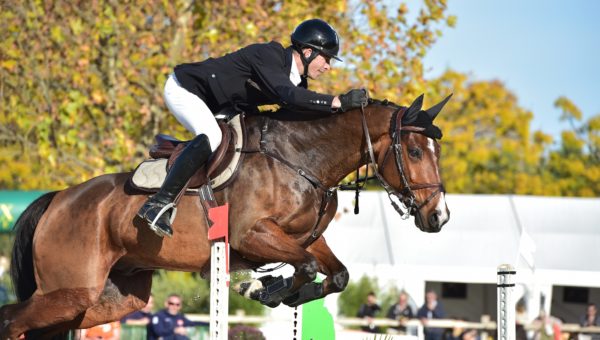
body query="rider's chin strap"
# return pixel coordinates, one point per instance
(306, 61)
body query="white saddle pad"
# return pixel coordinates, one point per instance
(151, 173)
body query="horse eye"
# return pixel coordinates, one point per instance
(415, 152)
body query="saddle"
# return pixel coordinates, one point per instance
(218, 171)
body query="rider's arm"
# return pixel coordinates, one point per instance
(268, 64)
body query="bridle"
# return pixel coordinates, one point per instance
(407, 194)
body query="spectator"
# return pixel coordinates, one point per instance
(169, 323)
(469, 334)
(432, 309)
(107, 331)
(140, 317)
(402, 312)
(590, 319)
(367, 311)
(521, 321)
(546, 327)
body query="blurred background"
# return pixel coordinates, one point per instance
(81, 95)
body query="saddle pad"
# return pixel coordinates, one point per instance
(151, 173)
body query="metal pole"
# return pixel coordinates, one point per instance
(506, 303)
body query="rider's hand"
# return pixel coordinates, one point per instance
(353, 99)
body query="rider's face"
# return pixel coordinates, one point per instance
(318, 66)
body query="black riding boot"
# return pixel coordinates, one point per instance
(157, 209)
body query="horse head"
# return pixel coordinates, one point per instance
(408, 165)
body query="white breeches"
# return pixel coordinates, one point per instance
(191, 112)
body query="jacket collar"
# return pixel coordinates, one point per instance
(288, 65)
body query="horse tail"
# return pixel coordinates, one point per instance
(21, 266)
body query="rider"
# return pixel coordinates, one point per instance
(197, 90)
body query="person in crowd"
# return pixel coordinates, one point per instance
(402, 312)
(546, 327)
(590, 319)
(169, 323)
(521, 320)
(255, 75)
(140, 317)
(432, 309)
(367, 311)
(469, 334)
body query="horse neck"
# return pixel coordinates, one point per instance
(332, 147)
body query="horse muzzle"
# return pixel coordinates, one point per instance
(432, 221)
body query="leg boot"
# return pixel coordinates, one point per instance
(157, 209)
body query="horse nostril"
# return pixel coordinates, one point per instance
(434, 220)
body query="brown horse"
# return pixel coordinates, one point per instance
(79, 260)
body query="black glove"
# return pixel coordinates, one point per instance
(353, 99)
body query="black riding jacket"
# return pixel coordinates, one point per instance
(223, 81)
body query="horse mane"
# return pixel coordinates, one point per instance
(287, 114)
(422, 119)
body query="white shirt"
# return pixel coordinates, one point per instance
(294, 74)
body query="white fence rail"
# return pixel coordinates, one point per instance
(489, 326)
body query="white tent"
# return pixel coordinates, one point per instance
(549, 240)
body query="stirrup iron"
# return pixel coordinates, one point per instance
(158, 231)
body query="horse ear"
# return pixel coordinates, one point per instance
(413, 111)
(433, 111)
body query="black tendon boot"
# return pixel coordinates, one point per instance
(157, 209)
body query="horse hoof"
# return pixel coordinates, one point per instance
(249, 289)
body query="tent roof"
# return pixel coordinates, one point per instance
(554, 234)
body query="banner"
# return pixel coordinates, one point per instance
(12, 204)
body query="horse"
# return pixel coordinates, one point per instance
(81, 258)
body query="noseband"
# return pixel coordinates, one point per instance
(407, 194)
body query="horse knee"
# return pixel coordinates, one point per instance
(339, 281)
(310, 269)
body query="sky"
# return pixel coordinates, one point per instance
(540, 50)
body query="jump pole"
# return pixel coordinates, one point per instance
(506, 303)
(218, 234)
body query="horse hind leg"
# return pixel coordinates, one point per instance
(267, 243)
(41, 311)
(122, 294)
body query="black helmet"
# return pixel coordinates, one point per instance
(318, 35)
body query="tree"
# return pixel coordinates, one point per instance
(574, 168)
(81, 83)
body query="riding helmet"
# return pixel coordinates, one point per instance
(319, 35)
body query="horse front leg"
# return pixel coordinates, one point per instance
(335, 282)
(267, 243)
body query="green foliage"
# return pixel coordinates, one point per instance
(6, 244)
(488, 146)
(195, 292)
(356, 292)
(355, 295)
(81, 84)
(81, 88)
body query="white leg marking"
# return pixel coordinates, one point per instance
(254, 286)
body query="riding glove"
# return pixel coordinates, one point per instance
(353, 99)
